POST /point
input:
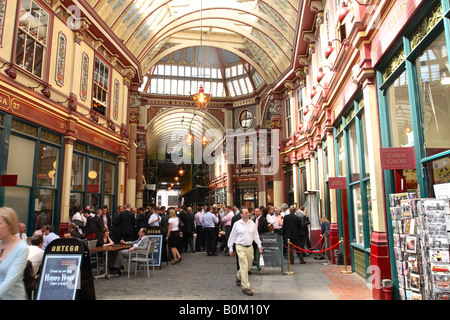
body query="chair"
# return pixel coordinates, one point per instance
(92, 244)
(144, 256)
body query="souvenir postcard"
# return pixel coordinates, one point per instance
(413, 264)
(441, 282)
(411, 243)
(406, 208)
(414, 282)
(440, 268)
(438, 242)
(434, 205)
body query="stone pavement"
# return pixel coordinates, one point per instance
(202, 277)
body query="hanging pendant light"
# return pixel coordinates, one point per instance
(201, 99)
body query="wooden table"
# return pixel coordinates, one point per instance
(107, 250)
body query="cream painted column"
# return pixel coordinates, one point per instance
(295, 183)
(228, 124)
(121, 182)
(67, 178)
(278, 186)
(321, 182)
(131, 181)
(374, 165)
(139, 180)
(332, 173)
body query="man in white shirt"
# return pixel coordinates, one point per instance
(243, 234)
(49, 235)
(284, 209)
(154, 218)
(35, 252)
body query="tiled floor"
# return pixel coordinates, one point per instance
(347, 286)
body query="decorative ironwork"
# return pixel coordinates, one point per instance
(426, 25)
(50, 137)
(24, 128)
(396, 61)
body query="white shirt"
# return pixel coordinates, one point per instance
(174, 222)
(35, 255)
(80, 217)
(152, 221)
(22, 236)
(244, 234)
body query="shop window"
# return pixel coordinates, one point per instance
(433, 84)
(101, 87)
(288, 115)
(300, 105)
(31, 37)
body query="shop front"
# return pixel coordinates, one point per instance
(413, 79)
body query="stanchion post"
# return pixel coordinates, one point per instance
(345, 259)
(289, 258)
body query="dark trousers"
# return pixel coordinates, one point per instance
(188, 240)
(210, 240)
(298, 243)
(200, 241)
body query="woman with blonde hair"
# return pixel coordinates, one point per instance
(173, 235)
(13, 257)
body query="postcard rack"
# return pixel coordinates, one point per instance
(421, 230)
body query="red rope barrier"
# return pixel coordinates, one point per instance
(311, 251)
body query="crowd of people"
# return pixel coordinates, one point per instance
(209, 229)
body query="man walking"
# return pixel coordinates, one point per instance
(243, 234)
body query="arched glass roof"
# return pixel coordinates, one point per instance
(221, 73)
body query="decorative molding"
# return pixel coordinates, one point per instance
(84, 76)
(116, 100)
(61, 59)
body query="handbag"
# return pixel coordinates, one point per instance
(29, 278)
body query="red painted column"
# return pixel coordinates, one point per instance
(334, 238)
(380, 262)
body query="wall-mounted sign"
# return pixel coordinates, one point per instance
(398, 158)
(337, 182)
(8, 180)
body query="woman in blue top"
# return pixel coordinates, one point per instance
(13, 257)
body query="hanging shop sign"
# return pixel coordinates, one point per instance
(398, 158)
(337, 182)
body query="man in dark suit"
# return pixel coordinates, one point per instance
(292, 231)
(126, 224)
(98, 223)
(189, 227)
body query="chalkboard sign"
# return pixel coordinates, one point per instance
(272, 250)
(157, 252)
(162, 247)
(66, 272)
(60, 277)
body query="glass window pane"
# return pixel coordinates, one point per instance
(43, 205)
(353, 146)
(341, 156)
(358, 215)
(400, 113)
(94, 174)
(109, 178)
(364, 142)
(47, 172)
(77, 173)
(434, 82)
(19, 199)
(93, 201)
(21, 159)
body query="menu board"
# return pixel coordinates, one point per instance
(157, 252)
(272, 252)
(60, 277)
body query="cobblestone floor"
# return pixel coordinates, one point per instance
(202, 277)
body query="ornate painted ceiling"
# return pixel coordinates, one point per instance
(261, 32)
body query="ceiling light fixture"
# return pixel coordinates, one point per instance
(345, 10)
(201, 99)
